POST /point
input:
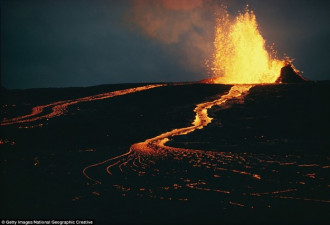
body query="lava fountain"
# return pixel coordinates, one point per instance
(240, 55)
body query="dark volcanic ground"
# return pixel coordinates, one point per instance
(41, 167)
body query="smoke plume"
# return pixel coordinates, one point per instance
(185, 28)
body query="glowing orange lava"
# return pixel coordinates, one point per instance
(60, 107)
(177, 169)
(240, 55)
(156, 145)
(201, 118)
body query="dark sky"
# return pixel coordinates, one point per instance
(61, 43)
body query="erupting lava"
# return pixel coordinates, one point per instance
(240, 56)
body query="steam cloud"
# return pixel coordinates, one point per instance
(185, 28)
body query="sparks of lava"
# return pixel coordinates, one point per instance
(240, 55)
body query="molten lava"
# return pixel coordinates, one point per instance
(60, 107)
(240, 55)
(156, 145)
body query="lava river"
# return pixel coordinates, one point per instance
(154, 170)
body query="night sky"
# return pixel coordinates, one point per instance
(55, 43)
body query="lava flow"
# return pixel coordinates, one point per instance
(154, 170)
(201, 120)
(60, 107)
(152, 145)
